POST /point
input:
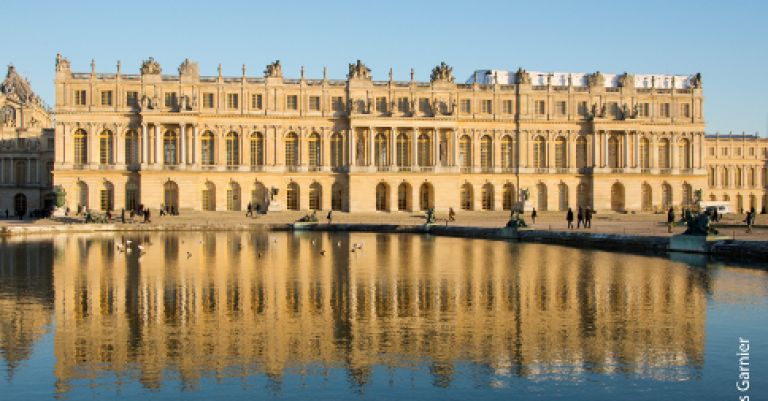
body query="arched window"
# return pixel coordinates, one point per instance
(465, 152)
(107, 196)
(403, 150)
(617, 197)
(666, 196)
(562, 191)
(380, 150)
(209, 196)
(131, 195)
(581, 152)
(687, 195)
(233, 149)
(207, 143)
(292, 150)
(737, 179)
(542, 193)
(171, 196)
(685, 153)
(425, 150)
(131, 147)
(233, 197)
(426, 196)
(508, 201)
(539, 152)
(583, 197)
(315, 196)
(507, 153)
(336, 196)
(404, 197)
(20, 204)
(561, 149)
(645, 153)
(82, 195)
(315, 152)
(257, 149)
(259, 197)
(664, 153)
(614, 152)
(106, 147)
(337, 150)
(486, 153)
(292, 196)
(646, 202)
(467, 197)
(486, 196)
(170, 148)
(382, 197)
(81, 147)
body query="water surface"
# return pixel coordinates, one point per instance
(367, 316)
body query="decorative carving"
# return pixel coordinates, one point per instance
(695, 81)
(8, 116)
(62, 64)
(435, 106)
(596, 80)
(627, 81)
(359, 70)
(150, 67)
(442, 73)
(189, 68)
(16, 87)
(625, 112)
(522, 76)
(274, 70)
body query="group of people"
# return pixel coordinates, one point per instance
(583, 217)
(251, 210)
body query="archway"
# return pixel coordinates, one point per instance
(583, 195)
(426, 196)
(292, 196)
(107, 196)
(467, 197)
(82, 194)
(336, 196)
(487, 196)
(209, 196)
(171, 196)
(382, 197)
(562, 191)
(315, 196)
(131, 194)
(404, 197)
(20, 204)
(687, 195)
(233, 197)
(541, 195)
(646, 201)
(508, 200)
(617, 197)
(666, 196)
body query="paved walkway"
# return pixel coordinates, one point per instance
(634, 224)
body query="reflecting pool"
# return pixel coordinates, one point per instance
(275, 315)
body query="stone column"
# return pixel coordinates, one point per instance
(195, 145)
(454, 147)
(393, 148)
(414, 147)
(183, 140)
(625, 162)
(605, 149)
(371, 148)
(637, 149)
(351, 147)
(158, 153)
(144, 144)
(673, 162)
(303, 148)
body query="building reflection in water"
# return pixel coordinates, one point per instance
(246, 304)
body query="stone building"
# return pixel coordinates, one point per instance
(617, 142)
(26, 147)
(737, 170)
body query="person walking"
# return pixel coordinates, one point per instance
(580, 217)
(670, 219)
(588, 217)
(451, 214)
(569, 218)
(330, 216)
(249, 210)
(122, 215)
(714, 214)
(748, 220)
(533, 216)
(147, 216)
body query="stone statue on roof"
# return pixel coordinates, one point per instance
(274, 70)
(442, 73)
(627, 81)
(189, 68)
(62, 64)
(359, 70)
(150, 67)
(596, 80)
(695, 81)
(522, 76)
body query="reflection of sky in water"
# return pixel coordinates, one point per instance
(405, 317)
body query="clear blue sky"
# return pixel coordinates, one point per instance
(725, 41)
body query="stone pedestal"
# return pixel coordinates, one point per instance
(693, 243)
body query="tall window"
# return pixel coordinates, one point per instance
(539, 152)
(233, 101)
(81, 147)
(645, 154)
(380, 149)
(292, 196)
(257, 149)
(583, 109)
(425, 150)
(170, 99)
(664, 110)
(208, 100)
(256, 102)
(507, 107)
(561, 152)
(80, 97)
(507, 152)
(685, 153)
(465, 106)
(315, 196)
(207, 149)
(106, 98)
(131, 147)
(685, 110)
(233, 149)
(486, 106)
(292, 102)
(314, 103)
(381, 104)
(337, 103)
(486, 153)
(337, 150)
(664, 153)
(465, 151)
(291, 149)
(314, 151)
(540, 107)
(132, 98)
(613, 152)
(170, 148)
(107, 196)
(581, 152)
(403, 150)
(561, 108)
(402, 104)
(106, 147)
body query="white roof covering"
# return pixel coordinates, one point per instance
(539, 78)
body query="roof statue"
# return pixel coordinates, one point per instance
(522, 76)
(695, 81)
(442, 73)
(16, 87)
(189, 68)
(62, 64)
(359, 70)
(274, 70)
(596, 79)
(627, 81)
(150, 67)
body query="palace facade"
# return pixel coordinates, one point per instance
(26, 148)
(618, 142)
